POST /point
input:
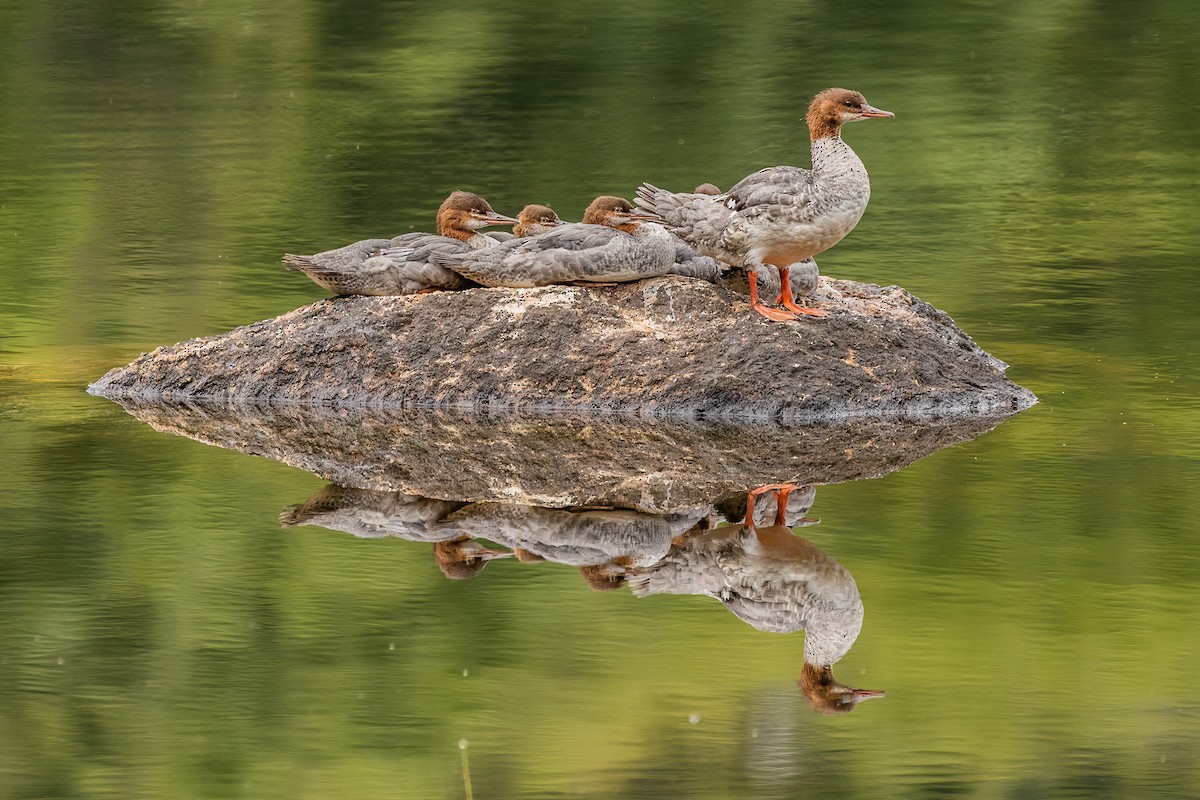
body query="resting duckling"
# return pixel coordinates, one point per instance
(403, 265)
(612, 244)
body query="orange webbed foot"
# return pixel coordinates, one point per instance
(774, 314)
(781, 492)
(785, 299)
(799, 309)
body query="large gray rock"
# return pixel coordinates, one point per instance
(669, 347)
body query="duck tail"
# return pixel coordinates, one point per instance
(294, 263)
(672, 207)
(655, 200)
(697, 218)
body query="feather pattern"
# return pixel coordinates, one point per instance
(569, 253)
(404, 264)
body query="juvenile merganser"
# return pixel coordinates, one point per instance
(578, 537)
(464, 558)
(532, 221)
(777, 582)
(373, 514)
(403, 265)
(610, 245)
(780, 216)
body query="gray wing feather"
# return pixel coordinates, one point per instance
(574, 252)
(767, 190)
(690, 263)
(399, 266)
(416, 266)
(347, 270)
(716, 225)
(579, 537)
(698, 219)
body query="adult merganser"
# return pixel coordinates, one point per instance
(777, 582)
(794, 500)
(403, 265)
(611, 244)
(780, 216)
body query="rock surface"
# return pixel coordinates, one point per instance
(670, 347)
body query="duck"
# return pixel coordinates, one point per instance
(463, 557)
(576, 536)
(610, 245)
(803, 276)
(533, 220)
(780, 216)
(777, 582)
(375, 514)
(403, 265)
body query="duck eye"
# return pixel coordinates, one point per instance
(849, 104)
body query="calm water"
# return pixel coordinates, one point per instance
(1030, 596)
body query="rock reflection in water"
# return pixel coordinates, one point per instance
(557, 461)
(656, 506)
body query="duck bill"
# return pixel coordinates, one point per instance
(872, 111)
(475, 550)
(643, 216)
(495, 219)
(488, 555)
(867, 694)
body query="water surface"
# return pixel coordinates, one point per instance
(1029, 595)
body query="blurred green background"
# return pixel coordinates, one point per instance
(1031, 599)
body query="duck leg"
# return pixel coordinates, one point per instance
(781, 509)
(773, 314)
(787, 301)
(780, 499)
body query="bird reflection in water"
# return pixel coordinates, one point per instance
(740, 550)
(602, 543)
(371, 514)
(774, 580)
